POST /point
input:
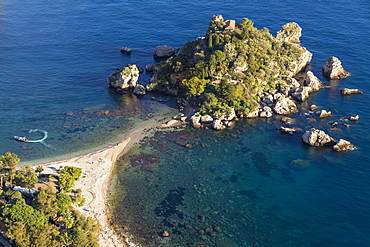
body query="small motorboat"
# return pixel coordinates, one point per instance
(20, 138)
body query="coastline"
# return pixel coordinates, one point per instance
(96, 171)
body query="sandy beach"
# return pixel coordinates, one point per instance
(96, 170)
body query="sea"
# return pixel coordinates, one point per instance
(248, 185)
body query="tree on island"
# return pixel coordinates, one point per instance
(8, 164)
(48, 220)
(67, 177)
(26, 177)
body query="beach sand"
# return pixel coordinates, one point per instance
(96, 170)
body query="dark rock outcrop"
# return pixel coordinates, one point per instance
(126, 50)
(139, 90)
(163, 51)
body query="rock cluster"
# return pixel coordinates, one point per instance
(333, 69)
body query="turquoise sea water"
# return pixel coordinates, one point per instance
(55, 57)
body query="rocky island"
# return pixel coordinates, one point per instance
(237, 70)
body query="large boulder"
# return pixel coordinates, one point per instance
(312, 81)
(291, 33)
(195, 120)
(301, 93)
(218, 125)
(285, 106)
(206, 119)
(333, 69)
(343, 145)
(125, 78)
(316, 137)
(265, 112)
(163, 51)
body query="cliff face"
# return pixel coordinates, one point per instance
(233, 66)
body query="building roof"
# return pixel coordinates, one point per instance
(230, 25)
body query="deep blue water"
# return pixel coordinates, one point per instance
(55, 57)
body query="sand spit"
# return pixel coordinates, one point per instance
(96, 170)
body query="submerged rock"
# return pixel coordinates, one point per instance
(299, 164)
(316, 137)
(333, 69)
(345, 91)
(287, 120)
(289, 131)
(343, 145)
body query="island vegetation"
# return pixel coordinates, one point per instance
(232, 66)
(45, 217)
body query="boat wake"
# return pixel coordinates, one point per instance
(45, 133)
